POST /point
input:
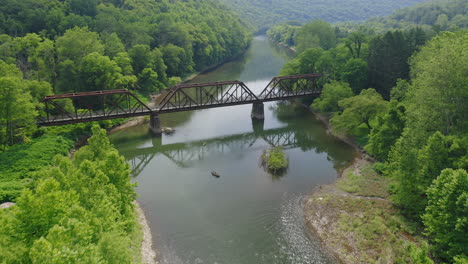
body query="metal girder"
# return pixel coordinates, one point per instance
(205, 95)
(291, 86)
(120, 103)
(75, 95)
(93, 106)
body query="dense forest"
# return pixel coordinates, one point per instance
(263, 14)
(402, 95)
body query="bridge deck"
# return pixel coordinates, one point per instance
(175, 99)
(102, 115)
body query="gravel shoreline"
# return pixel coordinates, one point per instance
(148, 254)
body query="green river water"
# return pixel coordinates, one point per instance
(246, 216)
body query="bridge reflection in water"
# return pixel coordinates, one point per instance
(187, 154)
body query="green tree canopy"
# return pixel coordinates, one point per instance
(388, 58)
(355, 73)
(98, 72)
(177, 60)
(332, 93)
(446, 213)
(76, 43)
(112, 44)
(359, 109)
(316, 34)
(434, 103)
(437, 99)
(78, 211)
(390, 128)
(17, 108)
(354, 42)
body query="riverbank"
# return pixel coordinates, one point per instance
(293, 49)
(345, 138)
(284, 45)
(148, 254)
(354, 217)
(213, 67)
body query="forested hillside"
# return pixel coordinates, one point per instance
(188, 35)
(431, 17)
(265, 13)
(438, 15)
(53, 46)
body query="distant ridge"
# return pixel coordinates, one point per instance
(265, 13)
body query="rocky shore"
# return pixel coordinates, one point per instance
(355, 219)
(329, 209)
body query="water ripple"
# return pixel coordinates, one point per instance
(294, 241)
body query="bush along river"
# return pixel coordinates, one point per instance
(246, 215)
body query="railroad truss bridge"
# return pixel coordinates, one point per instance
(121, 103)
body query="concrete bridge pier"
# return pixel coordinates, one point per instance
(257, 111)
(155, 124)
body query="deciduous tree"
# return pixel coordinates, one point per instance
(446, 213)
(359, 109)
(332, 93)
(316, 34)
(389, 129)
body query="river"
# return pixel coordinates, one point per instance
(246, 216)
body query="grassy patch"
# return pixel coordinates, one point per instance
(362, 180)
(274, 160)
(378, 233)
(360, 225)
(76, 131)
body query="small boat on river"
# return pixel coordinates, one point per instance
(215, 174)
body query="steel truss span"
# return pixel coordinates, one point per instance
(71, 108)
